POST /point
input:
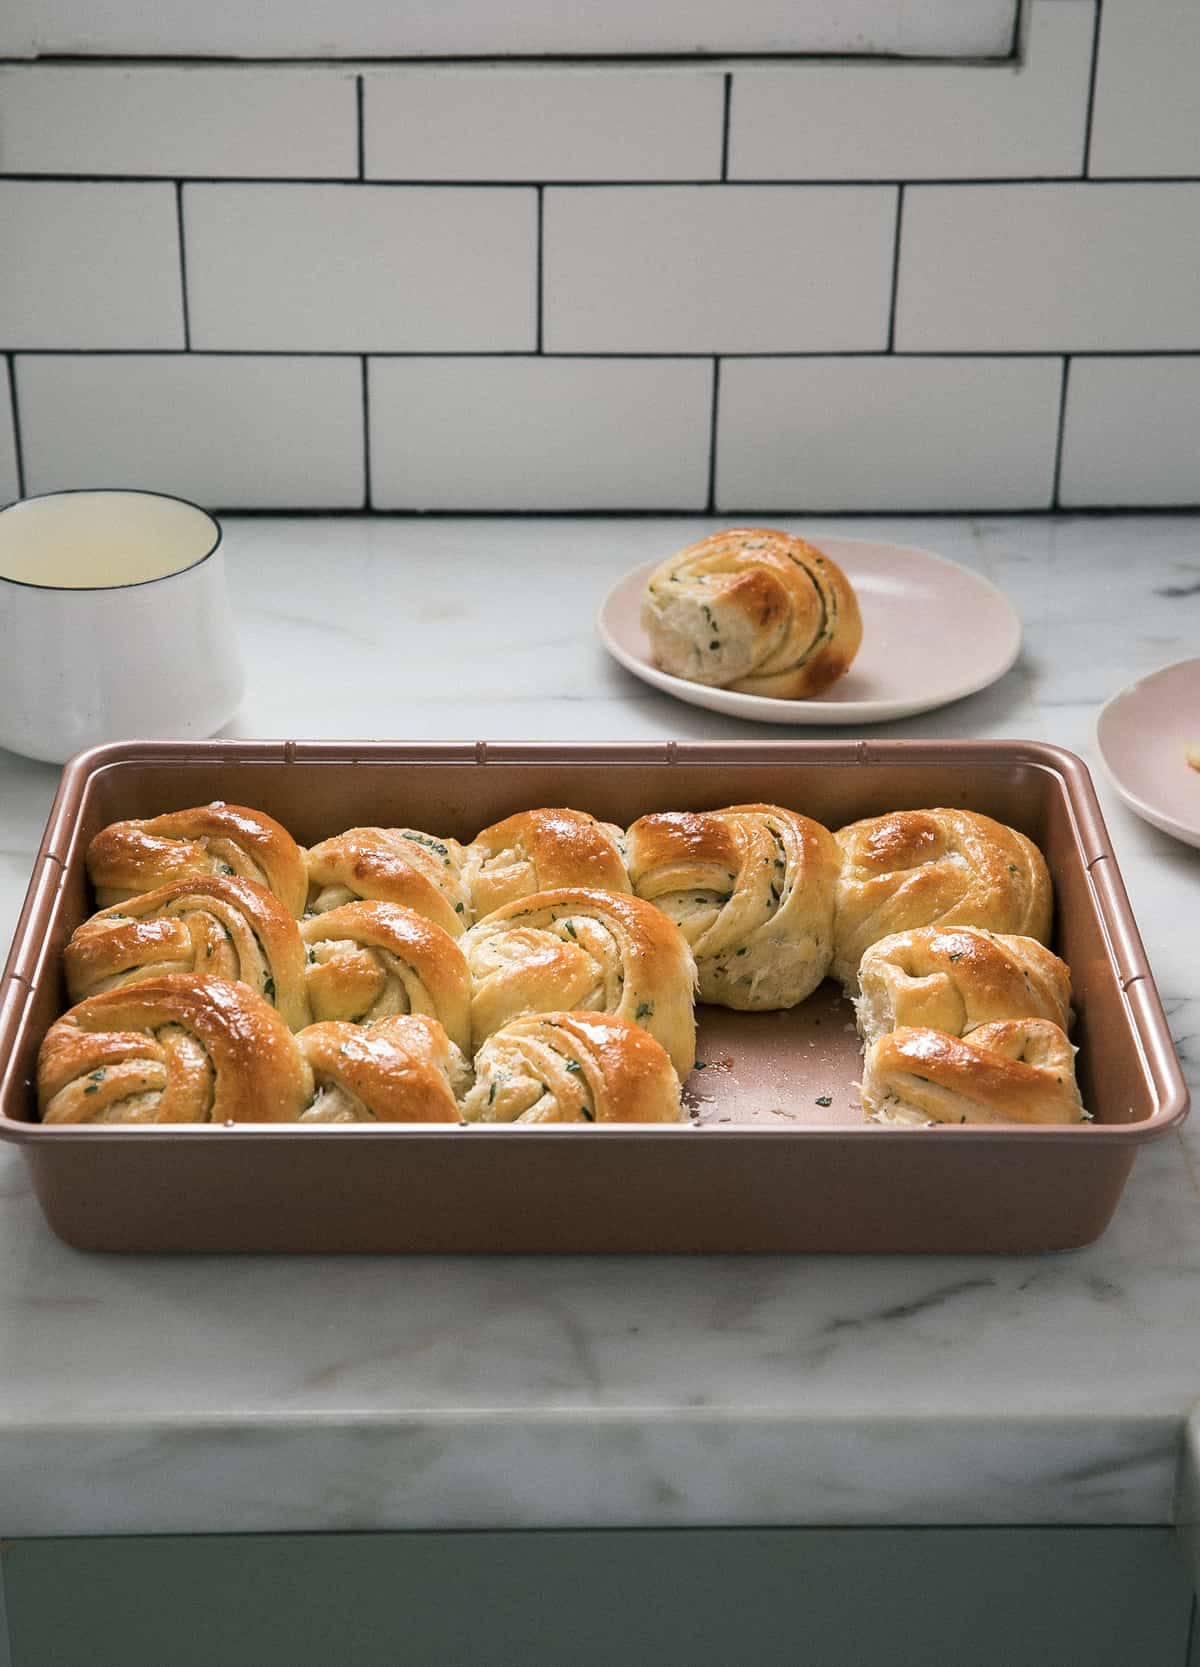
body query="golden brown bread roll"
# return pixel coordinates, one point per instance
(1017, 1071)
(752, 889)
(391, 865)
(573, 1068)
(541, 850)
(579, 948)
(367, 961)
(400, 1070)
(935, 868)
(183, 1048)
(957, 980)
(220, 925)
(128, 858)
(753, 610)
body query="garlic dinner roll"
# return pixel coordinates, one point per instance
(751, 888)
(128, 858)
(573, 1068)
(581, 948)
(1017, 1071)
(183, 1048)
(391, 865)
(935, 868)
(227, 927)
(753, 610)
(539, 850)
(368, 961)
(957, 980)
(400, 1070)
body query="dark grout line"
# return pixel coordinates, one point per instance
(362, 132)
(613, 353)
(14, 405)
(725, 127)
(366, 422)
(891, 341)
(1095, 512)
(712, 438)
(1062, 426)
(541, 255)
(793, 183)
(1091, 98)
(699, 60)
(183, 281)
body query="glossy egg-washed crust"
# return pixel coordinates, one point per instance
(958, 979)
(573, 1068)
(403, 1069)
(217, 924)
(753, 610)
(1016, 1071)
(580, 948)
(935, 868)
(368, 961)
(184, 1048)
(391, 865)
(751, 888)
(540, 850)
(128, 858)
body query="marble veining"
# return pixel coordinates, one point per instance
(147, 1394)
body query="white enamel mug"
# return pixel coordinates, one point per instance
(114, 622)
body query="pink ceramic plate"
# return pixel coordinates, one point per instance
(932, 632)
(1144, 735)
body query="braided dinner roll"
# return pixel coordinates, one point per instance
(128, 858)
(226, 927)
(1016, 1071)
(957, 980)
(403, 1069)
(368, 961)
(753, 610)
(935, 868)
(182, 1048)
(573, 1068)
(391, 865)
(752, 889)
(540, 850)
(580, 948)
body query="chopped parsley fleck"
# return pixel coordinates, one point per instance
(724, 896)
(573, 1065)
(824, 1099)
(1012, 868)
(424, 839)
(92, 1088)
(98, 1076)
(492, 1094)
(310, 954)
(208, 949)
(458, 908)
(645, 1010)
(955, 955)
(571, 932)
(702, 1064)
(269, 988)
(741, 951)
(224, 868)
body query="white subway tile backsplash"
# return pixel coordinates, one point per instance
(705, 269)
(921, 121)
(370, 268)
(89, 266)
(1146, 118)
(1058, 267)
(887, 433)
(1132, 432)
(71, 118)
(540, 433)
(543, 124)
(242, 433)
(9, 484)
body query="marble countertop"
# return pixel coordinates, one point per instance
(156, 1394)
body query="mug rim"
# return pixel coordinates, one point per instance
(130, 491)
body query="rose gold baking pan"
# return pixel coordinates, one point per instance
(777, 1156)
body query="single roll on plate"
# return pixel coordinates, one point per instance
(753, 610)
(935, 868)
(578, 948)
(400, 1070)
(368, 961)
(573, 1068)
(219, 925)
(128, 858)
(391, 865)
(540, 850)
(752, 889)
(958, 979)
(183, 1048)
(1016, 1071)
